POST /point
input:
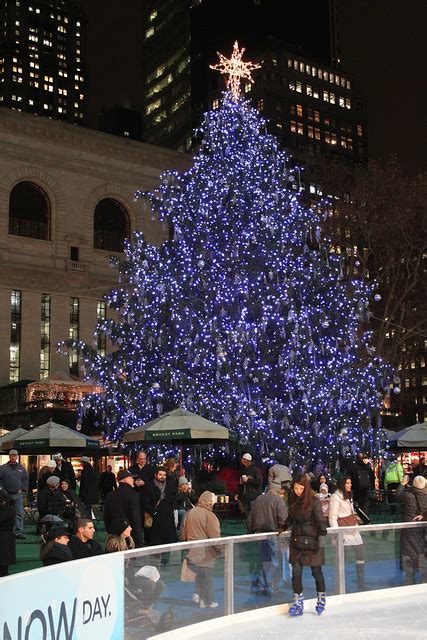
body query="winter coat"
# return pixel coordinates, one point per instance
(52, 502)
(361, 478)
(14, 478)
(107, 483)
(268, 513)
(311, 524)
(56, 554)
(66, 472)
(124, 503)
(88, 489)
(7, 536)
(339, 507)
(412, 541)
(185, 500)
(251, 489)
(393, 474)
(324, 499)
(87, 549)
(201, 523)
(163, 530)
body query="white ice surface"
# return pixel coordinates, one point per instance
(387, 613)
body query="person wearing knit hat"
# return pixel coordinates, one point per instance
(119, 535)
(53, 482)
(413, 541)
(268, 513)
(185, 499)
(419, 482)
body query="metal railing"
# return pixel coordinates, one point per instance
(229, 543)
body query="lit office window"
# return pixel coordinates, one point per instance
(300, 128)
(293, 126)
(298, 87)
(101, 312)
(74, 335)
(359, 130)
(45, 336)
(299, 110)
(15, 336)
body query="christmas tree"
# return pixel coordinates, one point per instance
(245, 315)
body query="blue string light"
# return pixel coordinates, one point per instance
(245, 316)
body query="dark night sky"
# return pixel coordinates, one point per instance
(382, 44)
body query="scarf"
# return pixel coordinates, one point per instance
(161, 486)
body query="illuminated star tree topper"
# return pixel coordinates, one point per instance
(236, 69)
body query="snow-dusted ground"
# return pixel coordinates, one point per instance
(388, 613)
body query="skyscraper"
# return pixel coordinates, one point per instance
(180, 41)
(42, 58)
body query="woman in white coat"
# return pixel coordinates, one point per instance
(341, 513)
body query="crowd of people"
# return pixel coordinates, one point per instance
(148, 505)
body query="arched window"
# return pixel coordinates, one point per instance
(111, 225)
(29, 211)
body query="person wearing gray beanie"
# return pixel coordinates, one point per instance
(413, 541)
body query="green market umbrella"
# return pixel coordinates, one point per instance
(52, 435)
(179, 425)
(7, 441)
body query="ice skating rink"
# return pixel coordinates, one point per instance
(387, 613)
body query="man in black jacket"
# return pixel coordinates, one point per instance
(124, 503)
(159, 502)
(362, 479)
(250, 483)
(82, 544)
(64, 470)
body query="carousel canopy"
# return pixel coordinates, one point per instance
(60, 387)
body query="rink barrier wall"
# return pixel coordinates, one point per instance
(84, 599)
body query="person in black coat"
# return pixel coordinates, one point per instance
(82, 544)
(124, 503)
(306, 547)
(54, 548)
(7, 535)
(250, 483)
(413, 547)
(142, 471)
(107, 482)
(88, 488)
(64, 470)
(159, 502)
(361, 480)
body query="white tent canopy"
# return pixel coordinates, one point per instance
(411, 437)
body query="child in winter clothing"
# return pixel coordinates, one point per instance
(324, 496)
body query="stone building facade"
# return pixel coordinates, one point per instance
(54, 268)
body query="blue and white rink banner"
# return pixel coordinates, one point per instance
(78, 600)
